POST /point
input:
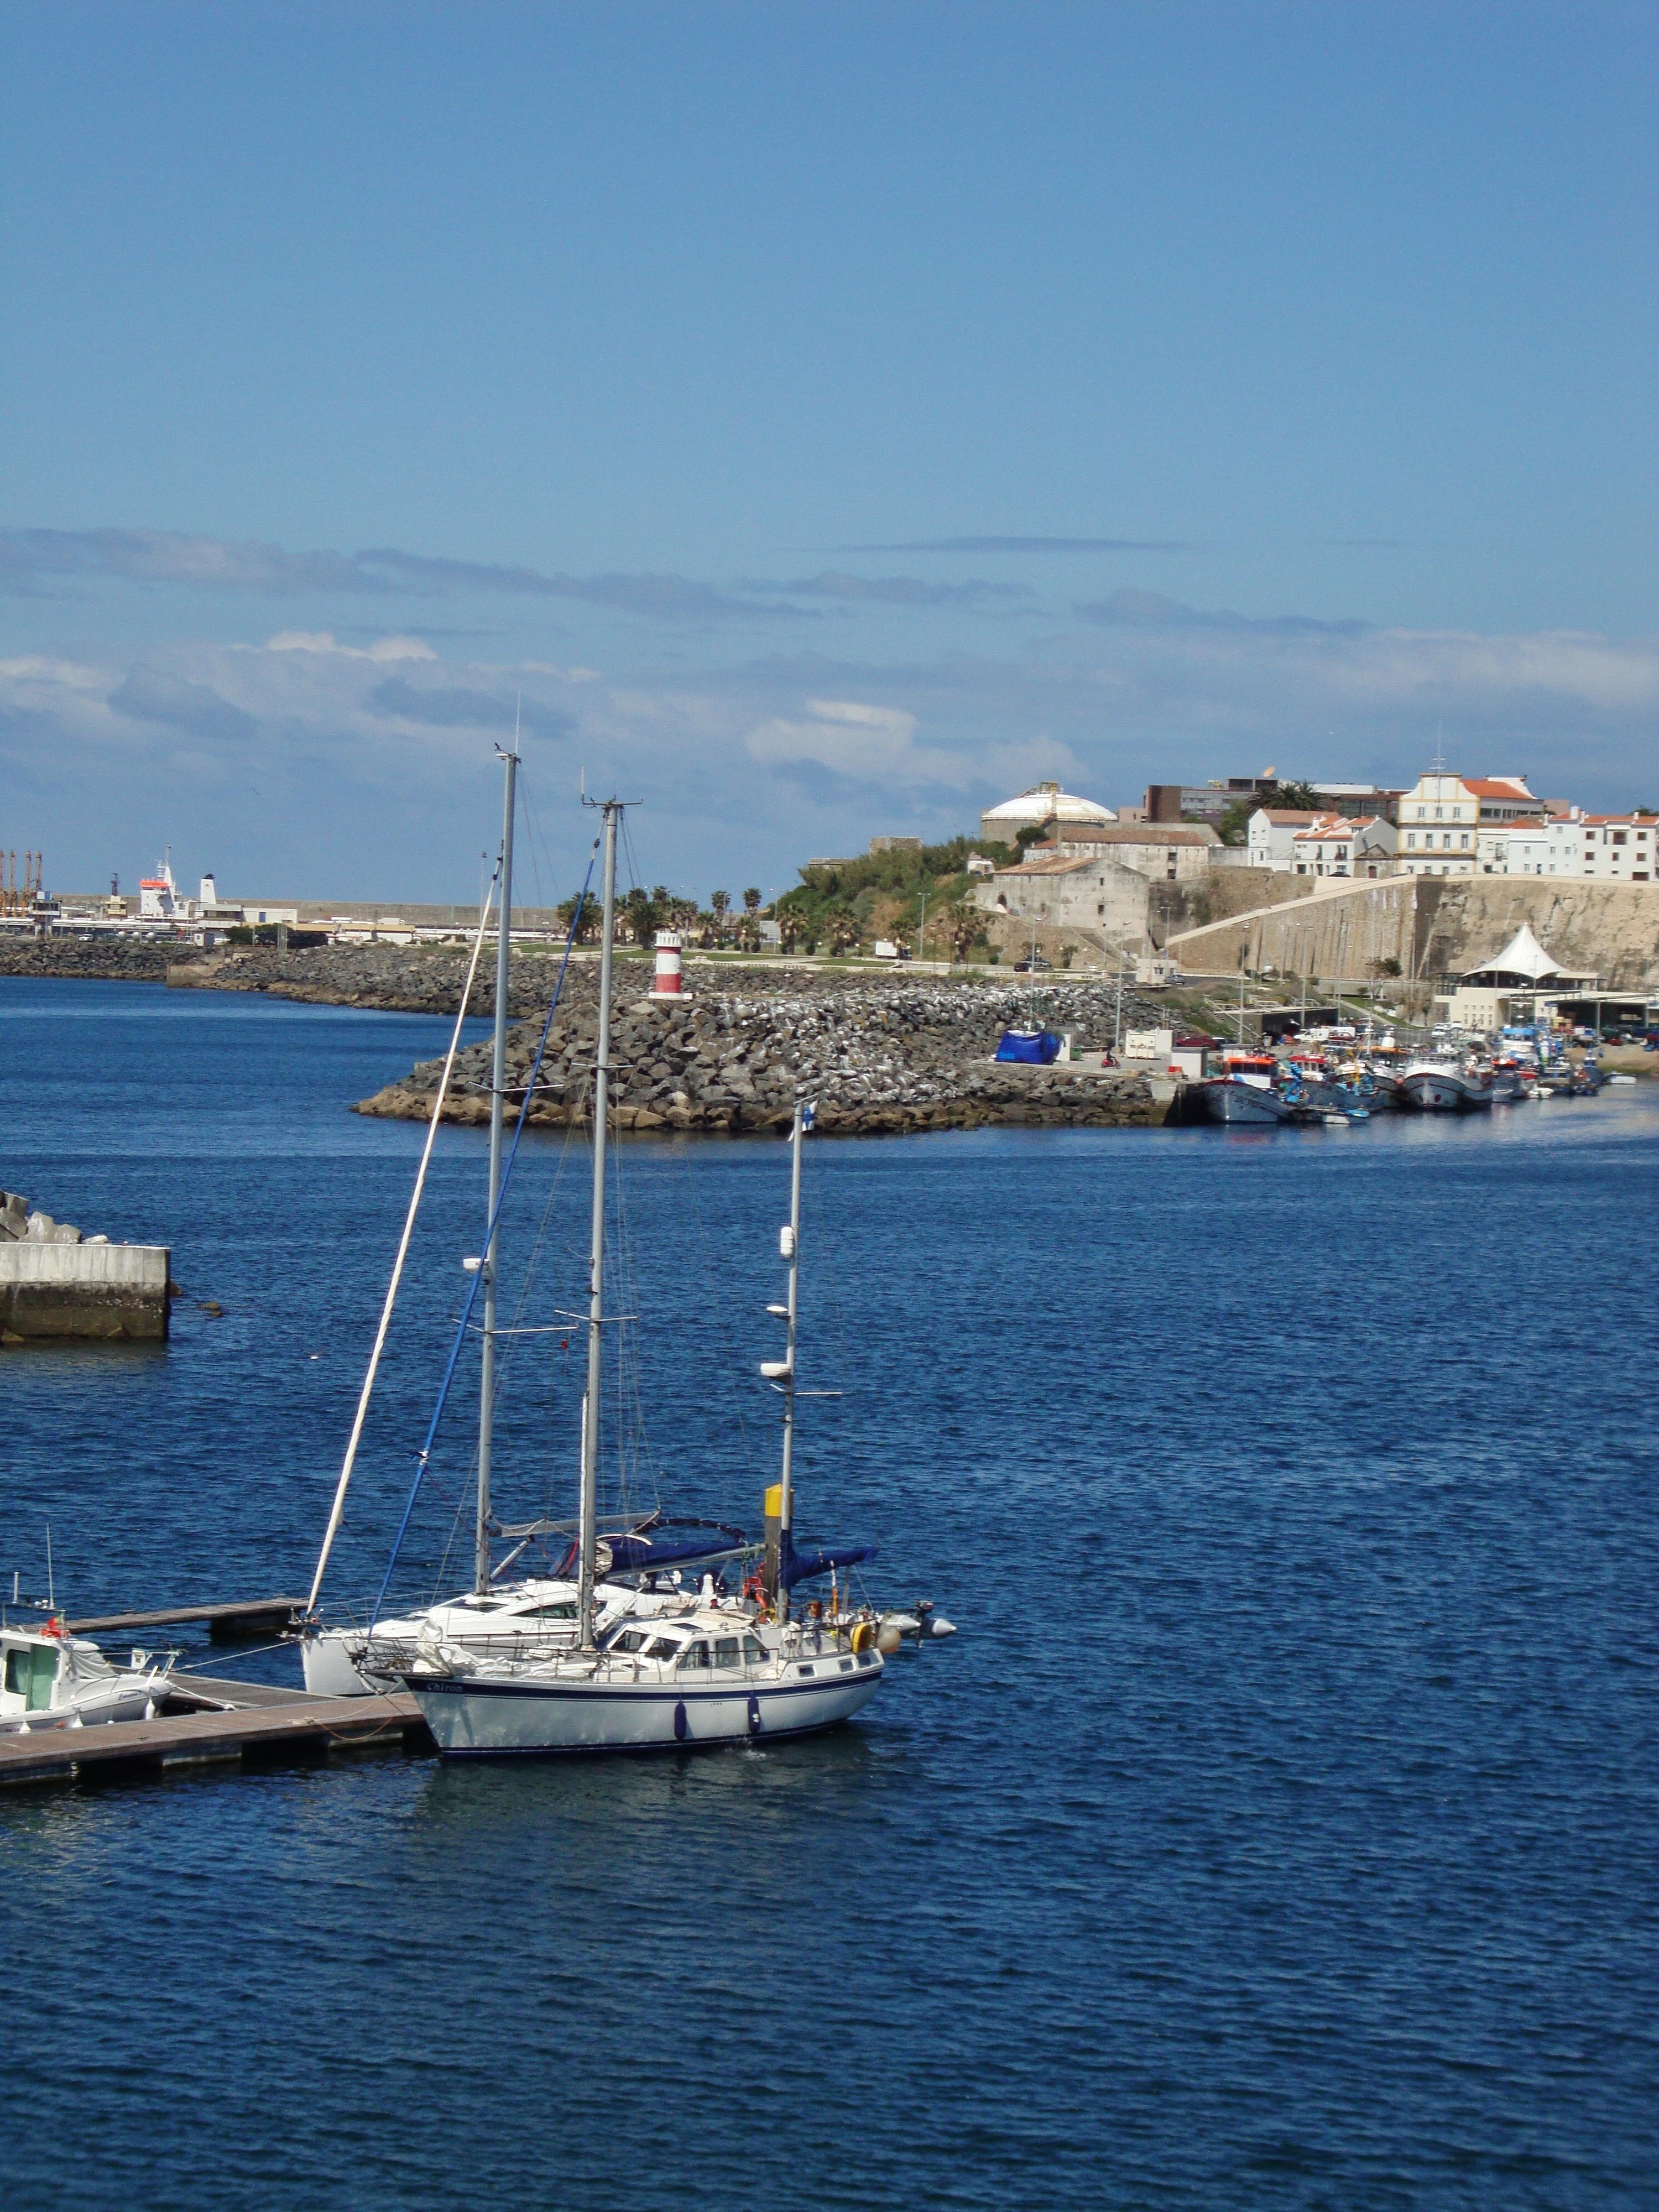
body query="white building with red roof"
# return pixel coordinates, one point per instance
(1441, 816)
(1609, 848)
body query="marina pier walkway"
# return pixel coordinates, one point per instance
(237, 1723)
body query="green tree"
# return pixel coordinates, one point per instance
(641, 911)
(719, 903)
(842, 925)
(963, 924)
(1234, 827)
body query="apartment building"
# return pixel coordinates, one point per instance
(1441, 816)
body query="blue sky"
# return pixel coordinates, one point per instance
(826, 418)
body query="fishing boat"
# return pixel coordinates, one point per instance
(1245, 1094)
(50, 1679)
(498, 1616)
(710, 1669)
(1443, 1086)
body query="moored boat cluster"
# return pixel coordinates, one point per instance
(1359, 1076)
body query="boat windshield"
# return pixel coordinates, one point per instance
(30, 1670)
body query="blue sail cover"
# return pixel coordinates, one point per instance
(1038, 1049)
(795, 1566)
(664, 1544)
(671, 1542)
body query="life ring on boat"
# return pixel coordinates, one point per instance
(864, 1635)
(53, 1627)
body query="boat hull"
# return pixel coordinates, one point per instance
(474, 1718)
(100, 1707)
(1241, 1105)
(1436, 1091)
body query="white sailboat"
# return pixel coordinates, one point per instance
(702, 1670)
(495, 1617)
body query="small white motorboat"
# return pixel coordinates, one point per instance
(52, 1680)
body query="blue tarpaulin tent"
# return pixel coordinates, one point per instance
(1036, 1048)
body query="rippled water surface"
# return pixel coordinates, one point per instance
(1279, 1831)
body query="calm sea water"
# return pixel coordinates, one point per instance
(1278, 1831)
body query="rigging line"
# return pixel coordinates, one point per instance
(539, 843)
(566, 1150)
(336, 1510)
(722, 1302)
(423, 1456)
(507, 1362)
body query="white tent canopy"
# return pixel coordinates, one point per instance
(1524, 956)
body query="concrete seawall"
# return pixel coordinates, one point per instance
(1436, 924)
(99, 1290)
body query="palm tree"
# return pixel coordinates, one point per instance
(641, 908)
(718, 903)
(842, 925)
(566, 911)
(789, 928)
(963, 923)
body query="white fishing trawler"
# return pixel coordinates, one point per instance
(1444, 1084)
(708, 1669)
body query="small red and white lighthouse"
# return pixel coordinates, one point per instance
(667, 982)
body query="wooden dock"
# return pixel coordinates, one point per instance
(250, 1724)
(225, 1623)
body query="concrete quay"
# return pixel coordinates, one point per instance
(54, 1284)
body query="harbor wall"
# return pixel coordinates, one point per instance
(89, 1291)
(1436, 926)
(1332, 930)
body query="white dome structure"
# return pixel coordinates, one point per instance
(1041, 803)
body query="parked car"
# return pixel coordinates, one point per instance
(1036, 965)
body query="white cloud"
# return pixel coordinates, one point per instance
(323, 640)
(385, 744)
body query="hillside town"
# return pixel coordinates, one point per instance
(1262, 876)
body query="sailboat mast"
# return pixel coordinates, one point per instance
(792, 1254)
(497, 1100)
(589, 1516)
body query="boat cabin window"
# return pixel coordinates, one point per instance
(30, 1670)
(631, 1640)
(753, 1649)
(694, 1655)
(562, 1609)
(664, 1647)
(728, 1651)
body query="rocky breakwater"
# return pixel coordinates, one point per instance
(404, 979)
(55, 1283)
(875, 1056)
(88, 959)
